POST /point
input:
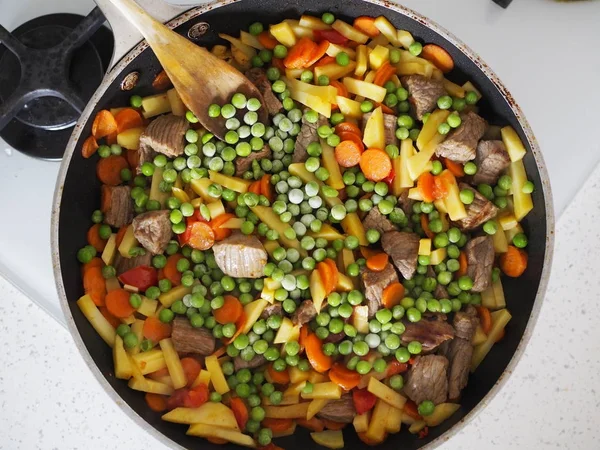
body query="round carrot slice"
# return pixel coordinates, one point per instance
(104, 124)
(109, 169)
(375, 164)
(348, 154)
(202, 236)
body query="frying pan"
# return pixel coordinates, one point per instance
(78, 195)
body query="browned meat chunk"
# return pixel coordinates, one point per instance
(241, 256)
(431, 331)
(334, 337)
(122, 265)
(427, 380)
(308, 135)
(389, 124)
(188, 339)
(304, 313)
(403, 248)
(465, 322)
(424, 93)
(461, 143)
(405, 203)
(153, 230)
(258, 77)
(377, 221)
(341, 410)
(492, 159)
(256, 361)
(120, 205)
(374, 284)
(480, 262)
(459, 353)
(272, 310)
(478, 212)
(166, 135)
(244, 164)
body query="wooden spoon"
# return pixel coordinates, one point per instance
(200, 78)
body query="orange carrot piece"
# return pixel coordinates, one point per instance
(278, 62)
(215, 225)
(94, 285)
(104, 124)
(384, 108)
(277, 424)
(108, 316)
(155, 330)
(239, 327)
(324, 61)
(455, 168)
(410, 408)
(426, 186)
(202, 237)
(230, 311)
(425, 225)
(438, 56)
(366, 24)
(128, 118)
(342, 91)
(367, 252)
(349, 136)
(384, 73)
(395, 367)
(90, 145)
(266, 188)
(105, 198)
(117, 303)
(162, 82)
(95, 262)
(159, 374)
(392, 295)
(191, 368)
(327, 276)
(348, 126)
(348, 153)
(314, 352)
(133, 158)
(111, 138)
(314, 424)
(156, 402)
(216, 440)
(94, 239)
(378, 262)
(282, 377)
(334, 271)
(240, 411)
(332, 425)
(254, 187)
(304, 330)
(345, 378)
(319, 51)
(267, 40)
(170, 270)
(300, 54)
(463, 264)
(514, 262)
(109, 169)
(121, 234)
(375, 164)
(485, 318)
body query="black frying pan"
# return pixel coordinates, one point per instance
(78, 195)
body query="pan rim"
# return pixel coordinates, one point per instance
(398, 9)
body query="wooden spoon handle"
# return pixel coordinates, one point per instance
(146, 24)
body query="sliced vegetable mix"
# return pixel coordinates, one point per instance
(341, 264)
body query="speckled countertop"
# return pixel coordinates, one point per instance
(50, 400)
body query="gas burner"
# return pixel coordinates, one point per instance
(49, 69)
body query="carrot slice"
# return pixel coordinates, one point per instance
(384, 108)
(267, 40)
(345, 378)
(455, 168)
(462, 269)
(94, 239)
(94, 285)
(155, 330)
(170, 270)
(282, 377)
(486, 318)
(375, 164)
(95, 262)
(90, 145)
(384, 73)
(254, 187)
(331, 425)
(411, 409)
(324, 61)
(327, 276)
(240, 411)
(121, 234)
(318, 52)
(104, 124)
(239, 327)
(426, 186)
(277, 424)
(216, 440)
(109, 169)
(117, 303)
(314, 352)
(111, 138)
(108, 316)
(300, 54)
(438, 56)
(425, 225)
(378, 262)
(367, 252)
(128, 118)
(349, 136)
(230, 311)
(202, 236)
(342, 91)
(156, 402)
(314, 424)
(162, 82)
(159, 374)
(348, 126)
(191, 368)
(348, 153)
(133, 158)
(514, 262)
(441, 185)
(215, 225)
(304, 330)
(366, 24)
(266, 188)
(392, 295)
(334, 270)
(395, 367)
(278, 62)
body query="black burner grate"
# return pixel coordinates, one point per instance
(49, 69)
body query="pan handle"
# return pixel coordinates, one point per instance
(126, 36)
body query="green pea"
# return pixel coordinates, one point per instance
(471, 97)
(366, 106)
(328, 18)
(490, 227)
(426, 408)
(323, 80)
(520, 240)
(342, 59)
(467, 196)
(414, 347)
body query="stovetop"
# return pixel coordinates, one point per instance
(515, 42)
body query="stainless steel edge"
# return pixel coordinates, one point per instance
(121, 65)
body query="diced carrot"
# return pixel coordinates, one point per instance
(304, 330)
(324, 61)
(104, 124)
(266, 188)
(410, 408)
(345, 378)
(463, 265)
(384, 73)
(327, 275)
(438, 56)
(230, 311)
(314, 424)
(133, 158)
(319, 51)
(170, 269)
(349, 136)
(240, 411)
(366, 24)
(342, 91)
(162, 82)
(94, 285)
(239, 327)
(426, 186)
(156, 402)
(95, 262)
(378, 262)
(485, 318)
(105, 198)
(348, 153)
(215, 225)
(155, 330)
(348, 126)
(334, 270)
(384, 108)
(282, 377)
(267, 40)
(117, 303)
(392, 295)
(111, 138)
(277, 424)
(331, 425)
(254, 187)
(202, 237)
(109, 169)
(395, 367)
(121, 234)
(514, 262)
(128, 118)
(90, 145)
(442, 183)
(108, 316)
(94, 239)
(191, 368)
(278, 62)
(375, 164)
(300, 54)
(455, 168)
(314, 352)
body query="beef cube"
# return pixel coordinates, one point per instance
(465, 323)
(492, 159)
(427, 379)
(244, 164)
(478, 212)
(119, 205)
(272, 310)
(166, 135)
(304, 313)
(374, 283)
(403, 248)
(424, 93)
(431, 331)
(459, 353)
(480, 262)
(256, 361)
(188, 339)
(122, 265)
(258, 77)
(377, 221)
(153, 230)
(390, 122)
(341, 410)
(241, 256)
(461, 143)
(308, 134)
